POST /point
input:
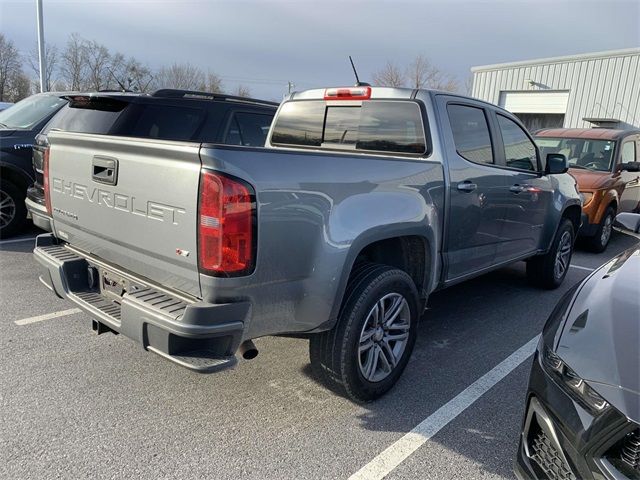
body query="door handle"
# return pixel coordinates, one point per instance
(467, 186)
(518, 188)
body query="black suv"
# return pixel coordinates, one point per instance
(19, 125)
(166, 115)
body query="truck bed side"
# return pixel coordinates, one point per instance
(316, 212)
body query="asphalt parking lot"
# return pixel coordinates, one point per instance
(79, 405)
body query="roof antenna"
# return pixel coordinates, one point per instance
(358, 82)
(124, 89)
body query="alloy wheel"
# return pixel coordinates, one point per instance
(563, 255)
(7, 209)
(607, 226)
(384, 337)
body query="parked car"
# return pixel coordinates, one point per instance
(364, 202)
(583, 403)
(19, 125)
(5, 105)
(606, 165)
(168, 114)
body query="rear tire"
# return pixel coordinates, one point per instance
(598, 243)
(13, 212)
(365, 353)
(548, 270)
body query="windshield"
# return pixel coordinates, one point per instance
(581, 153)
(30, 111)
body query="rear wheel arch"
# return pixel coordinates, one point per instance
(412, 252)
(15, 176)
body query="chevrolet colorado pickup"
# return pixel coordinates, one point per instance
(363, 202)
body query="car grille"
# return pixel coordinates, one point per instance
(549, 459)
(630, 451)
(625, 455)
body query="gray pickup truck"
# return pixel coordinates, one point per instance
(364, 201)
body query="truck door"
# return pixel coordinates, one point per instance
(475, 188)
(630, 197)
(528, 194)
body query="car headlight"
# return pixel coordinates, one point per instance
(579, 389)
(586, 197)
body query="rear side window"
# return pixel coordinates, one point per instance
(628, 152)
(166, 122)
(377, 126)
(519, 150)
(248, 129)
(471, 133)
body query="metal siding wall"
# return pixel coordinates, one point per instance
(598, 87)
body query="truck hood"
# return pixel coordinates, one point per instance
(589, 180)
(6, 132)
(601, 335)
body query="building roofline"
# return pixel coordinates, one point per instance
(566, 58)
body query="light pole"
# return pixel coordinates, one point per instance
(41, 52)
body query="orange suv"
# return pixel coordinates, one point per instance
(606, 166)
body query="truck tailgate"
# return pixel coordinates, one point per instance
(131, 202)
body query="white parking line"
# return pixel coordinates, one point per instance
(47, 316)
(582, 268)
(17, 240)
(394, 455)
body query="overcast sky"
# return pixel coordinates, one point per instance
(263, 44)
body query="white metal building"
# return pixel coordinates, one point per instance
(578, 91)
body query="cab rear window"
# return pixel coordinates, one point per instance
(376, 126)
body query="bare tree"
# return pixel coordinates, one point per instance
(242, 91)
(139, 77)
(19, 87)
(10, 68)
(181, 75)
(51, 65)
(389, 76)
(424, 74)
(73, 64)
(214, 83)
(99, 73)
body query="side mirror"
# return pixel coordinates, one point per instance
(628, 221)
(556, 163)
(629, 167)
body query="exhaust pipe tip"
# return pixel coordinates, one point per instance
(248, 350)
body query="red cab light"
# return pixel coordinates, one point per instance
(348, 93)
(45, 183)
(225, 227)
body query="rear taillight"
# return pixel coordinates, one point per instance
(226, 225)
(45, 183)
(348, 93)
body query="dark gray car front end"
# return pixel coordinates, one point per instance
(583, 403)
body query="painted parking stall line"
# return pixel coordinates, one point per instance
(47, 316)
(582, 268)
(17, 240)
(395, 454)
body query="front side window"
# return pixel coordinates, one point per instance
(377, 126)
(582, 153)
(519, 150)
(471, 133)
(628, 153)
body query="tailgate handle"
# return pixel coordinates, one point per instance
(104, 170)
